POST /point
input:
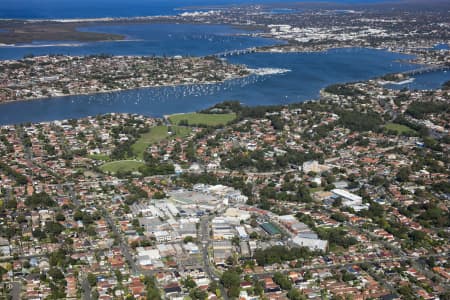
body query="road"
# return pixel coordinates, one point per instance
(122, 244)
(206, 243)
(399, 252)
(204, 228)
(16, 288)
(86, 288)
(347, 264)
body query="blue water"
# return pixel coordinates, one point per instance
(148, 39)
(427, 81)
(50, 9)
(441, 47)
(58, 9)
(309, 73)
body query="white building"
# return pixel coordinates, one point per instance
(311, 166)
(312, 244)
(234, 214)
(147, 256)
(241, 232)
(350, 200)
(191, 248)
(162, 236)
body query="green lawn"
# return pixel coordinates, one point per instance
(155, 135)
(316, 189)
(202, 119)
(399, 128)
(122, 165)
(99, 157)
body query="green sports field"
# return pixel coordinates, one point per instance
(202, 119)
(121, 165)
(399, 128)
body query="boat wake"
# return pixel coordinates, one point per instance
(268, 71)
(406, 81)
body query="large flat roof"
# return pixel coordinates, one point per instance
(270, 228)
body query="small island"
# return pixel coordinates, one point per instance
(61, 75)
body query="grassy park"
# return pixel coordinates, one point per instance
(399, 128)
(202, 119)
(122, 165)
(155, 135)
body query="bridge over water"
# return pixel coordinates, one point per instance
(426, 69)
(235, 52)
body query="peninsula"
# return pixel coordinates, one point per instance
(61, 75)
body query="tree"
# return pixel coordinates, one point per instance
(40, 200)
(53, 228)
(278, 254)
(152, 289)
(56, 274)
(11, 204)
(60, 217)
(295, 294)
(347, 276)
(230, 278)
(159, 195)
(339, 217)
(189, 283)
(417, 236)
(26, 264)
(188, 239)
(304, 194)
(337, 202)
(359, 121)
(336, 236)
(119, 275)
(198, 294)
(92, 279)
(213, 286)
(234, 291)
(39, 234)
(403, 174)
(253, 235)
(235, 240)
(258, 287)
(282, 280)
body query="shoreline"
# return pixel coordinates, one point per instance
(67, 30)
(124, 90)
(253, 72)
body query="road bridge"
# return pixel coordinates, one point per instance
(426, 69)
(235, 52)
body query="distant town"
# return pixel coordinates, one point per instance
(309, 26)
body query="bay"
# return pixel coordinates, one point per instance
(308, 72)
(148, 39)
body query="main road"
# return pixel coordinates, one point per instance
(205, 240)
(125, 249)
